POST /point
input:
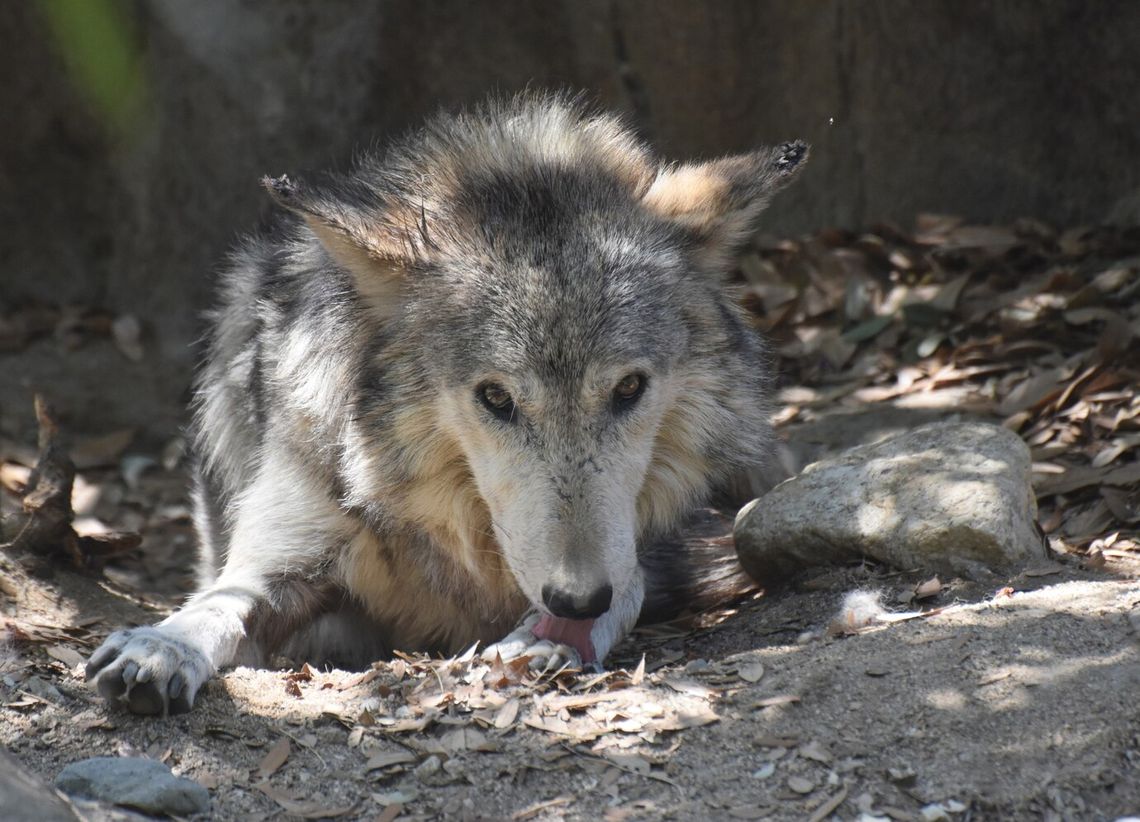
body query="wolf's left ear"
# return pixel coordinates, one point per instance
(718, 202)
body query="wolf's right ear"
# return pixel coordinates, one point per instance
(363, 232)
(373, 238)
(718, 202)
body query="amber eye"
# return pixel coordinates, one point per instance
(497, 400)
(628, 391)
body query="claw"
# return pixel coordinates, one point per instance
(99, 660)
(130, 671)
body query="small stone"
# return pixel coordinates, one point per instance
(951, 498)
(428, 768)
(934, 813)
(800, 785)
(764, 771)
(814, 751)
(904, 777)
(144, 784)
(751, 672)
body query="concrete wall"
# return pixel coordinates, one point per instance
(989, 109)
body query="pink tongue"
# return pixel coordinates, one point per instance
(572, 632)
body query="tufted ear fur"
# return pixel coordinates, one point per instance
(719, 202)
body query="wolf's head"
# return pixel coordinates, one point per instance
(548, 300)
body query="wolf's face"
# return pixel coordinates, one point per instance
(561, 296)
(558, 369)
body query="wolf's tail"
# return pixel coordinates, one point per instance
(693, 571)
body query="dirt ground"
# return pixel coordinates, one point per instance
(1009, 699)
(1006, 698)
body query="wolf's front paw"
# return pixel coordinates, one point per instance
(153, 672)
(544, 654)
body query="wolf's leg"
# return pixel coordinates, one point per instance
(607, 631)
(284, 524)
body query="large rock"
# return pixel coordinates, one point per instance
(145, 784)
(950, 498)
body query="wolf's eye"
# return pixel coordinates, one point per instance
(497, 400)
(628, 391)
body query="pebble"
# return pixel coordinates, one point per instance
(801, 785)
(429, 767)
(764, 771)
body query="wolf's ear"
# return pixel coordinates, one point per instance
(354, 223)
(374, 238)
(718, 202)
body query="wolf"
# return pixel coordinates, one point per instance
(465, 391)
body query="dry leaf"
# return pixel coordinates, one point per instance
(68, 656)
(389, 798)
(830, 806)
(538, 807)
(14, 478)
(506, 714)
(466, 739)
(990, 679)
(924, 590)
(1034, 390)
(306, 810)
(360, 679)
(629, 762)
(688, 686)
(399, 726)
(390, 812)
(815, 752)
(639, 673)
(386, 759)
(275, 758)
(1076, 478)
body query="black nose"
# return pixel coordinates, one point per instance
(567, 605)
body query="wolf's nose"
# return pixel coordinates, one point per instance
(567, 605)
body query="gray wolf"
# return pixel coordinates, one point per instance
(464, 391)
